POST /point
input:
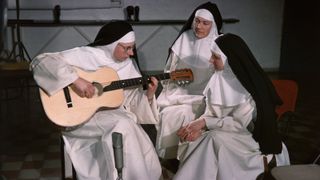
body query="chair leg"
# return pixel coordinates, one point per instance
(67, 170)
(63, 168)
(317, 160)
(74, 175)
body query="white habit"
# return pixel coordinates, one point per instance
(182, 104)
(90, 146)
(227, 150)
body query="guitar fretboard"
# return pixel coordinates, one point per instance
(134, 82)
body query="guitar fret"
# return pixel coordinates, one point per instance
(135, 81)
(145, 80)
(163, 76)
(123, 84)
(127, 83)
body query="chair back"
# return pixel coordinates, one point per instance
(288, 92)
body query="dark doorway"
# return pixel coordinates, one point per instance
(300, 61)
(300, 37)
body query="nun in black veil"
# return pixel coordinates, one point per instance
(239, 127)
(90, 145)
(181, 104)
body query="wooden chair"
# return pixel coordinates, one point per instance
(67, 170)
(288, 92)
(298, 171)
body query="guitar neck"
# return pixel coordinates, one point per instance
(134, 82)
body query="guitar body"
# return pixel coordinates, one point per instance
(56, 107)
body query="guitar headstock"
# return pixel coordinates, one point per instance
(182, 76)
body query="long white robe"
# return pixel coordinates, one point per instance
(178, 106)
(182, 104)
(90, 145)
(227, 151)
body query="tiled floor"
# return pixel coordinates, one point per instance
(40, 160)
(29, 142)
(36, 156)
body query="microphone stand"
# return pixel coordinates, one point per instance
(119, 176)
(19, 44)
(118, 153)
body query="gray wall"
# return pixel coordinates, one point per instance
(260, 25)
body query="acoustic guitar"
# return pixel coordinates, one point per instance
(66, 109)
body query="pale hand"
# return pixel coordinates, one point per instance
(192, 130)
(216, 61)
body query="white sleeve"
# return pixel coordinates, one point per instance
(51, 73)
(212, 117)
(172, 62)
(234, 118)
(162, 99)
(137, 102)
